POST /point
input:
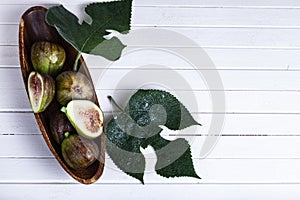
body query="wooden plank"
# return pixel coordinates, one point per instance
(9, 34)
(228, 147)
(236, 102)
(248, 124)
(193, 79)
(190, 16)
(204, 37)
(223, 58)
(203, 17)
(212, 171)
(24, 146)
(216, 37)
(9, 55)
(150, 191)
(189, 79)
(18, 123)
(244, 102)
(11, 78)
(12, 99)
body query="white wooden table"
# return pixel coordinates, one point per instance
(255, 46)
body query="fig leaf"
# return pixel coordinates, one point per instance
(139, 126)
(89, 38)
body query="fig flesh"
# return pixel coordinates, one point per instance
(73, 85)
(41, 91)
(47, 58)
(79, 152)
(86, 117)
(60, 124)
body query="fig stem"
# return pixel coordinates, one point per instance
(76, 62)
(113, 102)
(63, 109)
(67, 134)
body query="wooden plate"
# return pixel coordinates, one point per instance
(34, 28)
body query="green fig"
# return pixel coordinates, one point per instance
(86, 117)
(73, 85)
(41, 91)
(59, 124)
(47, 58)
(79, 152)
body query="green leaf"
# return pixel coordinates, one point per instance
(161, 107)
(88, 38)
(124, 149)
(173, 158)
(139, 126)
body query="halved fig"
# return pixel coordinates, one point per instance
(86, 117)
(41, 90)
(73, 85)
(79, 152)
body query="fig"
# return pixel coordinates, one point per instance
(86, 117)
(47, 58)
(60, 124)
(41, 91)
(79, 152)
(73, 85)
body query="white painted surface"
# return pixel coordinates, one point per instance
(255, 46)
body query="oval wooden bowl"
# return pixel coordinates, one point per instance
(34, 28)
